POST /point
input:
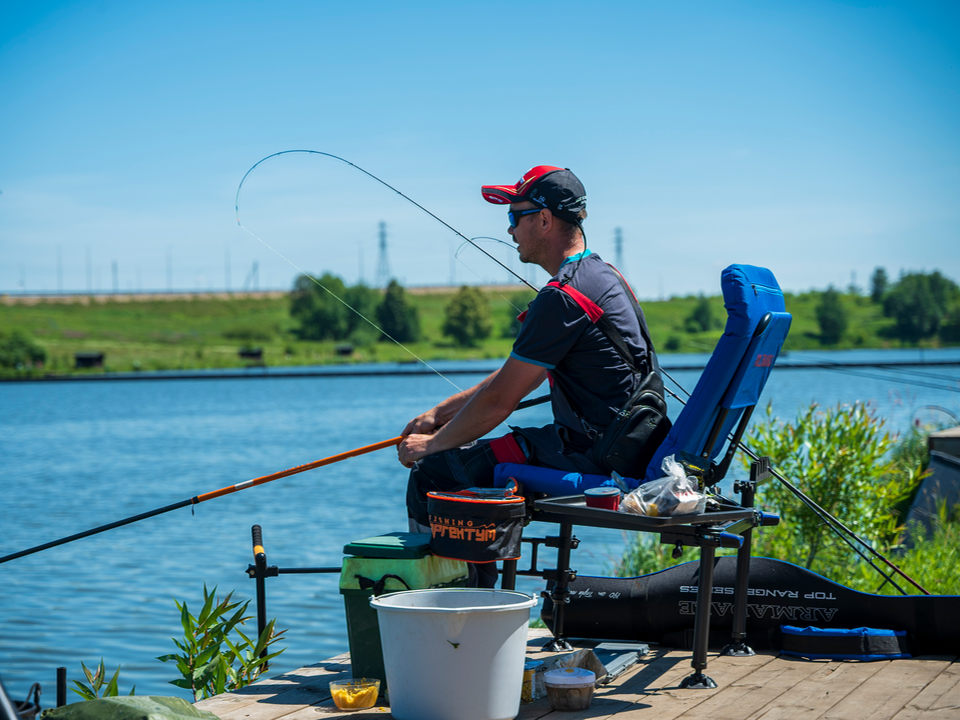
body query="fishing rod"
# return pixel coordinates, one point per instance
(833, 523)
(197, 499)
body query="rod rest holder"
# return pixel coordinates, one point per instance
(553, 541)
(554, 574)
(269, 571)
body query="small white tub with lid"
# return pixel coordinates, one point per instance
(570, 688)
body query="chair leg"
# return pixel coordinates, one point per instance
(701, 624)
(737, 647)
(560, 594)
(508, 579)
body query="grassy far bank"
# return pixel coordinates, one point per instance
(193, 332)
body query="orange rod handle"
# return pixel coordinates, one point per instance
(298, 469)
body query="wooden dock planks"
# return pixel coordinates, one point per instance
(763, 687)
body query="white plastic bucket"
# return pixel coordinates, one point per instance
(454, 654)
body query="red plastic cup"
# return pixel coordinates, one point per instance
(606, 498)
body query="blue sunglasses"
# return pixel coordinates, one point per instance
(514, 215)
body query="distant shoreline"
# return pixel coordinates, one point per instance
(85, 298)
(391, 370)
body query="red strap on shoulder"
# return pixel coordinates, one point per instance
(593, 311)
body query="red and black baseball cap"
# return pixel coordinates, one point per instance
(556, 189)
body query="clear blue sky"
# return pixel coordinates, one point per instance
(821, 139)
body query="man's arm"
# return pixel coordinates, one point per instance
(430, 421)
(487, 405)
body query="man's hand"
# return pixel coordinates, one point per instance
(413, 448)
(470, 414)
(423, 424)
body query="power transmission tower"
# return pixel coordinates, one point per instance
(383, 265)
(253, 277)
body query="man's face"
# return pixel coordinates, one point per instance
(527, 235)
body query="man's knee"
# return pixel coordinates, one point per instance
(448, 471)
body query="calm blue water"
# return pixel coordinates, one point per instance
(78, 455)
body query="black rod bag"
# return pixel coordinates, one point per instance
(660, 607)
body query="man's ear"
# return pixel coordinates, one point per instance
(546, 220)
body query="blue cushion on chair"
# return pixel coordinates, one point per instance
(552, 482)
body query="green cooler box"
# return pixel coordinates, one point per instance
(370, 562)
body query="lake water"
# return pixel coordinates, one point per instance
(76, 455)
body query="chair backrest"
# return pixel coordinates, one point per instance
(757, 325)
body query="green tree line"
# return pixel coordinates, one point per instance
(326, 309)
(310, 325)
(923, 306)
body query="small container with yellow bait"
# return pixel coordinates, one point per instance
(532, 680)
(355, 693)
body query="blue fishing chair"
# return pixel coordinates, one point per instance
(714, 418)
(729, 387)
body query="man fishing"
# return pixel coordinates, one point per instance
(559, 339)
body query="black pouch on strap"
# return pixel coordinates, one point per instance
(629, 442)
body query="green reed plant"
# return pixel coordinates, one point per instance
(99, 686)
(841, 458)
(215, 655)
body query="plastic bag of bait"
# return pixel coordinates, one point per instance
(674, 494)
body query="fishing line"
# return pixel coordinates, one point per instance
(902, 369)
(840, 367)
(334, 295)
(456, 256)
(386, 185)
(916, 373)
(350, 307)
(833, 522)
